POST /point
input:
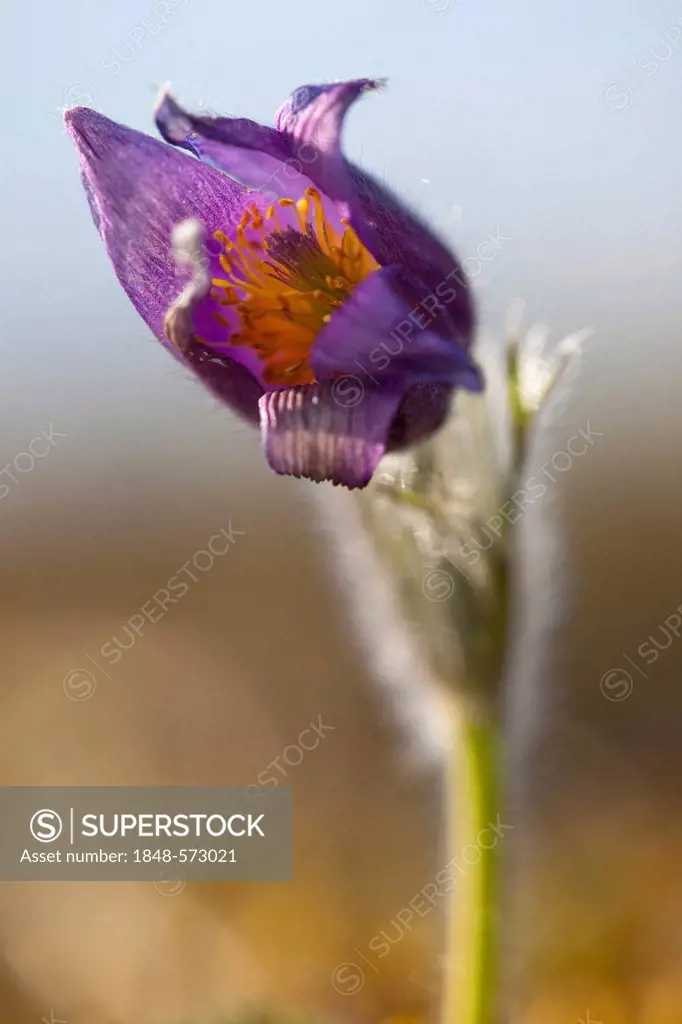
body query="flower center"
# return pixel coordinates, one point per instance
(285, 282)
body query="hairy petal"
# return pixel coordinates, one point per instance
(313, 116)
(328, 431)
(231, 374)
(139, 189)
(306, 149)
(372, 335)
(254, 155)
(404, 239)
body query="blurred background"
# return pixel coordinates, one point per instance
(552, 124)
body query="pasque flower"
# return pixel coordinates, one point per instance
(297, 288)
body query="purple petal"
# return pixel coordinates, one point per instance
(258, 157)
(313, 118)
(193, 316)
(328, 431)
(139, 189)
(373, 334)
(232, 380)
(307, 150)
(396, 235)
(197, 313)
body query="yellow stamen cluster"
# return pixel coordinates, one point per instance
(285, 283)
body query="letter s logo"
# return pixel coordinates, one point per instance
(45, 826)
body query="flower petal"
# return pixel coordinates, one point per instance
(373, 332)
(244, 149)
(396, 235)
(328, 431)
(312, 120)
(201, 314)
(307, 150)
(139, 189)
(313, 117)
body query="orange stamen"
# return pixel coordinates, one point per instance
(285, 284)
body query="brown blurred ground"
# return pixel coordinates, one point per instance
(596, 759)
(260, 647)
(211, 694)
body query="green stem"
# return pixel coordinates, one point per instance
(473, 807)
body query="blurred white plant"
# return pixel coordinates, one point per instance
(440, 518)
(440, 515)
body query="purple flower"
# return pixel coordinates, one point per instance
(299, 290)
